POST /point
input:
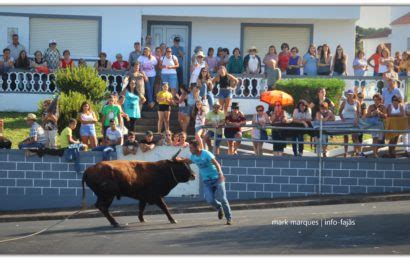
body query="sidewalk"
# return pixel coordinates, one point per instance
(194, 207)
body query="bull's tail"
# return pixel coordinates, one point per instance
(84, 203)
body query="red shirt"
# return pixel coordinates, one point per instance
(283, 61)
(376, 57)
(120, 66)
(65, 64)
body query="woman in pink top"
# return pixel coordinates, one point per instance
(376, 59)
(211, 61)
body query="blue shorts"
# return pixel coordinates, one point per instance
(211, 134)
(172, 80)
(225, 93)
(187, 110)
(87, 130)
(197, 128)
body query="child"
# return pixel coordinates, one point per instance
(66, 137)
(131, 145)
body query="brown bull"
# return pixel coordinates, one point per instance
(147, 182)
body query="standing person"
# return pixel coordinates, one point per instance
(199, 112)
(272, 73)
(15, 47)
(215, 118)
(321, 97)
(164, 99)
(131, 105)
(179, 52)
(211, 61)
(301, 114)
(102, 64)
(220, 57)
(360, 68)
(134, 55)
(213, 180)
(362, 116)
(234, 121)
(184, 110)
(326, 115)
(374, 118)
(310, 61)
(395, 109)
(252, 63)
(196, 67)
(319, 51)
(50, 119)
(259, 133)
(397, 61)
(279, 116)
(66, 61)
(283, 58)
(295, 62)
(324, 61)
(385, 59)
(111, 112)
(227, 84)
(235, 63)
(140, 78)
(148, 63)
(349, 112)
(22, 61)
(226, 56)
(88, 119)
(196, 50)
(404, 64)
(204, 83)
(148, 42)
(82, 63)
(169, 64)
(37, 138)
(390, 79)
(52, 56)
(376, 59)
(339, 66)
(120, 64)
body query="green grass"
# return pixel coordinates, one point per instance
(16, 129)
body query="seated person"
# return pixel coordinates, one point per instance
(175, 139)
(113, 137)
(37, 138)
(131, 145)
(182, 140)
(148, 143)
(326, 115)
(166, 138)
(66, 137)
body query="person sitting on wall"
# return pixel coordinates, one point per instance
(148, 143)
(131, 145)
(113, 137)
(66, 137)
(37, 138)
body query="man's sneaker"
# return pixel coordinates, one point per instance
(229, 222)
(220, 213)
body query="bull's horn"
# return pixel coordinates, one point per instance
(175, 156)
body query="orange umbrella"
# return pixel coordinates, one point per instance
(273, 96)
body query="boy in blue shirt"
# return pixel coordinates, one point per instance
(213, 180)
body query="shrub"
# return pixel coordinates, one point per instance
(84, 80)
(307, 88)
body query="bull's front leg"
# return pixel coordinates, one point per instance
(161, 203)
(141, 210)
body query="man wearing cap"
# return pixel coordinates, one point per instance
(178, 51)
(37, 138)
(52, 56)
(148, 144)
(252, 62)
(15, 47)
(134, 55)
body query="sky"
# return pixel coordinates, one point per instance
(374, 16)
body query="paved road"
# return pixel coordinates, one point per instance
(371, 228)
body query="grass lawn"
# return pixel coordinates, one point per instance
(16, 129)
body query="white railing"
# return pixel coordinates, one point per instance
(250, 86)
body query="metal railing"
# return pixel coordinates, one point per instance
(249, 86)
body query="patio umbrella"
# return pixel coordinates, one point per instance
(273, 96)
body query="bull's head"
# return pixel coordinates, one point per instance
(182, 171)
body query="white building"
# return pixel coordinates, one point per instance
(370, 42)
(87, 30)
(400, 25)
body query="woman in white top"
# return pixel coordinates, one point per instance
(359, 69)
(385, 59)
(259, 133)
(349, 111)
(169, 64)
(87, 129)
(395, 109)
(200, 112)
(197, 66)
(148, 63)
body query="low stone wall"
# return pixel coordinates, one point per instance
(250, 177)
(50, 182)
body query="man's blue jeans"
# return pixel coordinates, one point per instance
(106, 149)
(34, 145)
(215, 194)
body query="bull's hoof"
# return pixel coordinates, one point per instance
(115, 225)
(142, 220)
(173, 221)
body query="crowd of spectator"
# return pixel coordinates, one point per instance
(155, 77)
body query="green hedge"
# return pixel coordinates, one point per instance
(307, 88)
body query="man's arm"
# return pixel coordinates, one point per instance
(219, 169)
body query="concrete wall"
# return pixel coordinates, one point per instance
(399, 38)
(49, 182)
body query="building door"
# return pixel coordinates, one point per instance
(165, 33)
